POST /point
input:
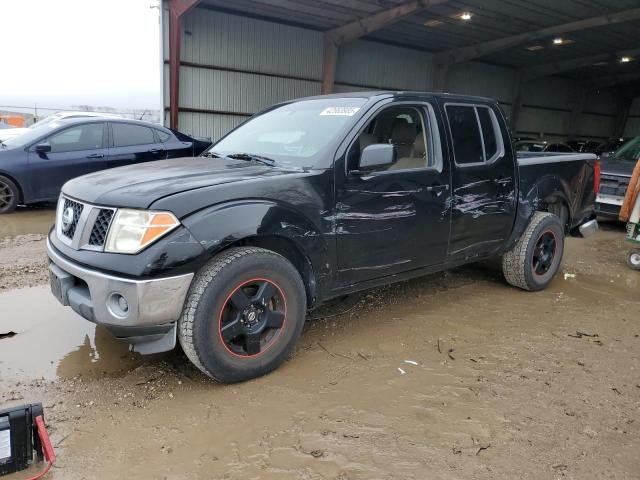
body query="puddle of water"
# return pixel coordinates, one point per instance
(52, 341)
(27, 220)
(587, 287)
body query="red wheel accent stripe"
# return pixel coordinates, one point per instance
(274, 339)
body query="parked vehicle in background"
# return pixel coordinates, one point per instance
(35, 165)
(52, 118)
(610, 146)
(542, 147)
(583, 146)
(616, 170)
(308, 201)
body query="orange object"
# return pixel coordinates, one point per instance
(15, 120)
(633, 190)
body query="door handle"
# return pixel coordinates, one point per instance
(154, 150)
(438, 189)
(503, 181)
(96, 155)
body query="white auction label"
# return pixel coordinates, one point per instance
(340, 111)
(5, 444)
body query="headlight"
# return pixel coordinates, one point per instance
(133, 230)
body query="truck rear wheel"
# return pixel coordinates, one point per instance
(244, 313)
(8, 195)
(533, 262)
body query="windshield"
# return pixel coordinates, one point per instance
(45, 120)
(630, 151)
(31, 134)
(292, 134)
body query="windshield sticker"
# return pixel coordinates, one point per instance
(340, 111)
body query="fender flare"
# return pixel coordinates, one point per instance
(549, 187)
(220, 226)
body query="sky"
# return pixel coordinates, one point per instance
(80, 52)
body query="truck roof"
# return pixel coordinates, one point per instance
(399, 93)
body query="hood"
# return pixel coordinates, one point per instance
(138, 186)
(613, 166)
(6, 133)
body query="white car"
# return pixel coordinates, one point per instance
(14, 132)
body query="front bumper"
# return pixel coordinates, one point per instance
(608, 205)
(147, 316)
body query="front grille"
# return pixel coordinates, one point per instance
(101, 227)
(70, 230)
(613, 185)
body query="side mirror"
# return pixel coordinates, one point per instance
(44, 147)
(376, 156)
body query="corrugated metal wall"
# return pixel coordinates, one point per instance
(237, 65)
(632, 128)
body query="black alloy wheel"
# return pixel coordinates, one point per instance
(252, 318)
(544, 253)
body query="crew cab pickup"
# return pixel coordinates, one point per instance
(307, 201)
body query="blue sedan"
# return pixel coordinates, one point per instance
(35, 165)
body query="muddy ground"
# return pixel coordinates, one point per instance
(451, 376)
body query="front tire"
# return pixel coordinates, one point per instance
(533, 262)
(244, 313)
(9, 195)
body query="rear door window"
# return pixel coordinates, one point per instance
(127, 134)
(488, 132)
(475, 134)
(465, 134)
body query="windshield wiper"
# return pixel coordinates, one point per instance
(251, 157)
(211, 154)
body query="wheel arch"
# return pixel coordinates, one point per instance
(268, 225)
(548, 194)
(291, 251)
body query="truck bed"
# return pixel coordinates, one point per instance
(573, 171)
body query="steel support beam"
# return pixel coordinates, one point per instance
(329, 63)
(613, 80)
(547, 69)
(576, 112)
(516, 99)
(177, 8)
(334, 39)
(464, 54)
(623, 115)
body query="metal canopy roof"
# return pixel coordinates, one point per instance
(437, 27)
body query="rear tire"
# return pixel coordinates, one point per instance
(9, 195)
(244, 313)
(533, 262)
(633, 259)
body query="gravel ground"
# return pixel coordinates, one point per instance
(451, 376)
(23, 261)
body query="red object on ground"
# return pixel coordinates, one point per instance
(47, 448)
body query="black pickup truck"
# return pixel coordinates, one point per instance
(307, 201)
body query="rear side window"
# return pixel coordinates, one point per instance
(465, 133)
(164, 136)
(474, 133)
(488, 133)
(127, 134)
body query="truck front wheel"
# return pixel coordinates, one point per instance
(533, 262)
(243, 315)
